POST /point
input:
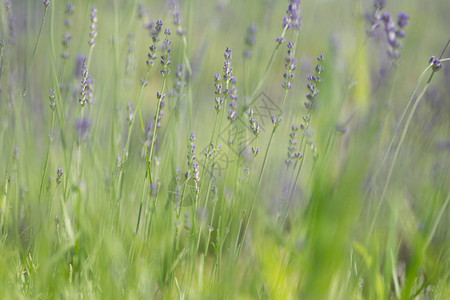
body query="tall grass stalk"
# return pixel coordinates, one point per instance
(397, 150)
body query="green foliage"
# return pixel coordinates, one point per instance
(140, 211)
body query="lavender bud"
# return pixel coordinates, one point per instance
(59, 175)
(52, 98)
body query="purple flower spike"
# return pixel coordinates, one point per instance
(293, 17)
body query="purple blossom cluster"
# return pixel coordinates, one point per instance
(193, 167)
(293, 17)
(250, 40)
(435, 63)
(254, 126)
(83, 129)
(68, 23)
(93, 26)
(52, 99)
(59, 175)
(394, 29)
(290, 67)
(165, 57)
(313, 84)
(177, 19)
(180, 80)
(394, 32)
(223, 89)
(87, 85)
(230, 79)
(161, 102)
(275, 121)
(152, 56)
(130, 113)
(293, 153)
(219, 99)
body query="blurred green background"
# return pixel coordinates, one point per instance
(82, 238)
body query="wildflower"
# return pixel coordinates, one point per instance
(180, 80)
(46, 3)
(161, 102)
(230, 91)
(275, 121)
(435, 63)
(293, 17)
(83, 127)
(130, 64)
(394, 32)
(250, 40)
(52, 98)
(177, 20)
(255, 151)
(84, 75)
(313, 84)
(67, 36)
(292, 148)
(254, 126)
(130, 117)
(289, 66)
(93, 27)
(59, 175)
(165, 57)
(193, 167)
(219, 99)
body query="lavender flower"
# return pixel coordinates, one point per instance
(313, 84)
(148, 136)
(275, 121)
(161, 102)
(84, 75)
(130, 110)
(293, 153)
(250, 40)
(157, 30)
(290, 66)
(59, 175)
(151, 56)
(130, 64)
(254, 126)
(83, 128)
(293, 17)
(46, 3)
(255, 151)
(180, 80)
(219, 99)
(87, 85)
(52, 98)
(435, 63)
(193, 167)
(230, 79)
(165, 57)
(394, 33)
(177, 20)
(67, 37)
(93, 27)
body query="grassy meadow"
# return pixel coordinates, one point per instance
(224, 149)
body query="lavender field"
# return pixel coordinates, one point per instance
(224, 149)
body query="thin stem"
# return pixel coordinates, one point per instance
(397, 151)
(35, 50)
